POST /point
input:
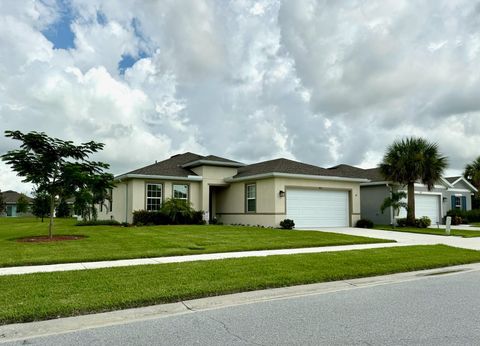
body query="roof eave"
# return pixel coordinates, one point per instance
(297, 176)
(212, 163)
(158, 177)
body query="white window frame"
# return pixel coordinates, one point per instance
(249, 198)
(147, 197)
(181, 198)
(458, 202)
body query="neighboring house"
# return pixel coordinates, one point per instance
(448, 193)
(11, 198)
(234, 193)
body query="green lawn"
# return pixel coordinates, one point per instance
(51, 295)
(475, 224)
(114, 242)
(456, 232)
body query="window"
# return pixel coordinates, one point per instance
(458, 202)
(154, 197)
(251, 198)
(180, 192)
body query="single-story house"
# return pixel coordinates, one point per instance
(262, 193)
(448, 193)
(11, 198)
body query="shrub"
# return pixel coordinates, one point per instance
(364, 223)
(456, 220)
(423, 222)
(287, 224)
(143, 217)
(473, 215)
(173, 214)
(402, 222)
(98, 223)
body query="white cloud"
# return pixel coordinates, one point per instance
(322, 82)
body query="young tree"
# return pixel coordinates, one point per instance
(54, 166)
(22, 204)
(41, 205)
(395, 201)
(410, 160)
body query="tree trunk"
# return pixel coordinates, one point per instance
(52, 210)
(411, 204)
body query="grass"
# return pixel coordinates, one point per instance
(114, 242)
(455, 232)
(475, 224)
(50, 295)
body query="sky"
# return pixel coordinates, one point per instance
(322, 82)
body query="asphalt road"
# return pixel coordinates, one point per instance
(439, 310)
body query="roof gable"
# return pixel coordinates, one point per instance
(11, 197)
(179, 165)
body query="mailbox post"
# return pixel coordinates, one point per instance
(448, 223)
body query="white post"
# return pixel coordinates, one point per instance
(448, 222)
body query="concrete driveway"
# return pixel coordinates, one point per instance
(406, 238)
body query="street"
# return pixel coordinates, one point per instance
(438, 310)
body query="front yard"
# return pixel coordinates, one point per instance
(455, 232)
(114, 242)
(51, 295)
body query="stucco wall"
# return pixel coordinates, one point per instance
(271, 208)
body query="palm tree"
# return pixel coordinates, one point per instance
(395, 201)
(410, 160)
(472, 174)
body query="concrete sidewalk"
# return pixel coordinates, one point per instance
(401, 238)
(410, 238)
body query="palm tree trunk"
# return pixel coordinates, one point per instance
(411, 204)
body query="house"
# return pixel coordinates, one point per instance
(448, 193)
(11, 198)
(262, 193)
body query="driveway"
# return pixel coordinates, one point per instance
(405, 238)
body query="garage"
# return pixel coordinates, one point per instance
(425, 205)
(318, 208)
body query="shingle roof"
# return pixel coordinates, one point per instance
(294, 167)
(11, 197)
(451, 180)
(173, 165)
(170, 167)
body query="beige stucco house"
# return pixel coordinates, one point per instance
(234, 193)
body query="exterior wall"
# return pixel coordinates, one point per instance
(372, 198)
(211, 176)
(130, 195)
(271, 208)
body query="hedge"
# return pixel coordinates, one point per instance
(467, 216)
(143, 217)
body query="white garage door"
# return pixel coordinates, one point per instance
(425, 205)
(317, 208)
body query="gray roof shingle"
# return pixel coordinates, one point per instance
(451, 180)
(173, 165)
(11, 197)
(294, 167)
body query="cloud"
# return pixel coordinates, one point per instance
(318, 81)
